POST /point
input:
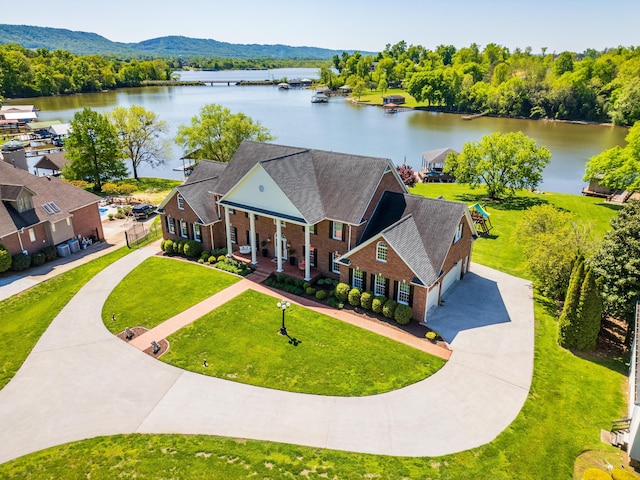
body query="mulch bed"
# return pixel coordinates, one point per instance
(137, 331)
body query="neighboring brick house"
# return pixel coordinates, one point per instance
(332, 212)
(40, 211)
(190, 210)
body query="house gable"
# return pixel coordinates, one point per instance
(258, 192)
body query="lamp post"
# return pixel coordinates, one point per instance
(283, 305)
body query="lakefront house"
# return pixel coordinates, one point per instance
(336, 215)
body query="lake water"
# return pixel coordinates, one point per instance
(338, 125)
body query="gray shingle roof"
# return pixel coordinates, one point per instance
(53, 161)
(321, 184)
(419, 229)
(46, 189)
(198, 187)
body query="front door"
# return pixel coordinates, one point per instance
(284, 248)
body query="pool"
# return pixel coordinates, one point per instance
(103, 210)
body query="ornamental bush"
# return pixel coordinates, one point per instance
(342, 291)
(204, 255)
(192, 249)
(321, 295)
(310, 291)
(221, 258)
(168, 247)
(38, 259)
(377, 303)
(354, 297)
(335, 303)
(403, 314)
(20, 261)
(389, 308)
(595, 474)
(5, 259)
(306, 285)
(365, 300)
(50, 253)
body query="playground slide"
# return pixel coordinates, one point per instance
(480, 210)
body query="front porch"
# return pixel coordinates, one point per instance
(268, 265)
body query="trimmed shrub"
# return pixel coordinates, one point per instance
(366, 298)
(204, 255)
(377, 303)
(342, 291)
(212, 259)
(310, 291)
(321, 295)
(403, 314)
(595, 474)
(354, 297)
(20, 261)
(201, 261)
(320, 281)
(299, 283)
(5, 259)
(168, 247)
(389, 308)
(335, 303)
(622, 474)
(163, 244)
(306, 285)
(50, 253)
(216, 252)
(222, 258)
(38, 259)
(192, 249)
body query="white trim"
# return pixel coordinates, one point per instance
(404, 291)
(381, 251)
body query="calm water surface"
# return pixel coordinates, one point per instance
(340, 126)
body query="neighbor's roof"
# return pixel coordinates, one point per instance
(44, 190)
(43, 124)
(21, 115)
(17, 108)
(419, 229)
(53, 161)
(60, 129)
(321, 184)
(436, 156)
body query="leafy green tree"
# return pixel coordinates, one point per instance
(503, 162)
(616, 265)
(551, 241)
(626, 107)
(618, 167)
(93, 150)
(217, 133)
(140, 132)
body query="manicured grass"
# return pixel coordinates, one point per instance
(25, 317)
(374, 97)
(571, 399)
(158, 289)
(152, 190)
(501, 250)
(240, 341)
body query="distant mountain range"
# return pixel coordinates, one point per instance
(85, 43)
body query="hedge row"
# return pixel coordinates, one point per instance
(22, 261)
(217, 257)
(378, 304)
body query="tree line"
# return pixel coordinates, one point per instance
(600, 86)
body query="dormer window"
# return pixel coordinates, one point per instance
(381, 252)
(23, 203)
(180, 202)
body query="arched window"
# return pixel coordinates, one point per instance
(381, 252)
(180, 202)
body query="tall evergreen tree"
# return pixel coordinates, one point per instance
(568, 322)
(589, 312)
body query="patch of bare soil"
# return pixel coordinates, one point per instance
(610, 342)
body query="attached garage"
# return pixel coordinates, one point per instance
(451, 277)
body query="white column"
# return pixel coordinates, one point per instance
(252, 235)
(227, 226)
(278, 240)
(307, 253)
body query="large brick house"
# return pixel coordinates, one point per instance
(342, 216)
(40, 211)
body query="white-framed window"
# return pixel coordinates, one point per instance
(184, 229)
(404, 293)
(380, 285)
(24, 203)
(458, 234)
(381, 252)
(171, 225)
(233, 233)
(335, 266)
(358, 279)
(32, 235)
(180, 202)
(197, 232)
(338, 231)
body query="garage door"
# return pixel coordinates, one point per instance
(451, 278)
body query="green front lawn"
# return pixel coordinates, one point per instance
(158, 289)
(240, 341)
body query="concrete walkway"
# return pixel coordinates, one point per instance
(80, 381)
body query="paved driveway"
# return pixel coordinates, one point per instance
(80, 382)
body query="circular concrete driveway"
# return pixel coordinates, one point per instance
(80, 382)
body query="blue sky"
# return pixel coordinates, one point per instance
(366, 25)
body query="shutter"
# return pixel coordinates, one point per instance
(411, 295)
(344, 232)
(331, 262)
(351, 276)
(330, 229)
(386, 287)
(395, 290)
(373, 283)
(364, 281)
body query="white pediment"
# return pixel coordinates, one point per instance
(257, 190)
